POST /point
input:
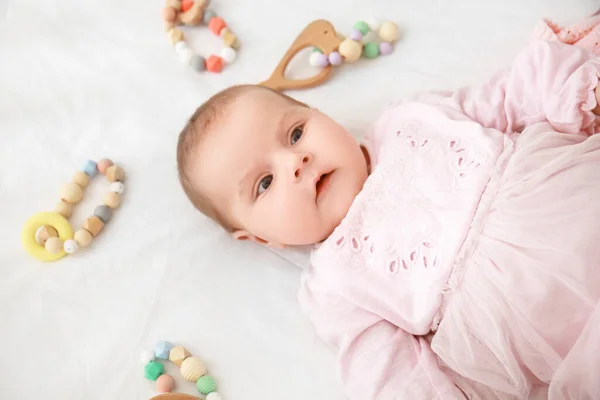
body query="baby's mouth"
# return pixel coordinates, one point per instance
(323, 184)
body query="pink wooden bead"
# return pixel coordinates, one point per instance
(169, 14)
(103, 165)
(165, 384)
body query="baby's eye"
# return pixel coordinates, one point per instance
(265, 183)
(296, 135)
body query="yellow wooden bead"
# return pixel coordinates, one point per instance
(231, 40)
(175, 35)
(192, 369)
(350, 50)
(225, 31)
(115, 173)
(93, 225)
(53, 245)
(389, 32)
(44, 233)
(83, 238)
(64, 209)
(112, 200)
(178, 354)
(81, 179)
(71, 193)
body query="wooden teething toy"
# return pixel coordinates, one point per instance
(191, 368)
(332, 50)
(194, 13)
(48, 236)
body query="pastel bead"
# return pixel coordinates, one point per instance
(350, 50)
(231, 40)
(316, 50)
(206, 384)
(335, 58)
(81, 178)
(115, 173)
(192, 368)
(216, 24)
(213, 396)
(178, 354)
(208, 16)
(228, 55)
(374, 23)
(385, 48)
(355, 34)
(71, 193)
(165, 384)
(224, 31)
(198, 63)
(53, 245)
(322, 60)
(104, 213)
(93, 225)
(175, 35)
(313, 59)
(176, 4)
(70, 246)
(362, 27)
(214, 64)
(389, 32)
(371, 50)
(103, 165)
(180, 46)
(162, 349)
(117, 187)
(168, 14)
(112, 199)
(186, 5)
(43, 233)
(146, 356)
(185, 56)
(153, 370)
(90, 168)
(83, 238)
(64, 209)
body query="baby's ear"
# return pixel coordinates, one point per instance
(245, 235)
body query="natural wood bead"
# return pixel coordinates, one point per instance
(112, 200)
(64, 209)
(350, 50)
(93, 225)
(192, 369)
(231, 40)
(176, 4)
(83, 238)
(389, 32)
(44, 233)
(175, 35)
(194, 15)
(71, 193)
(115, 173)
(81, 179)
(53, 245)
(168, 26)
(103, 165)
(178, 354)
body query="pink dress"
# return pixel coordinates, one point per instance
(471, 258)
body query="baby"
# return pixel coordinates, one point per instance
(456, 249)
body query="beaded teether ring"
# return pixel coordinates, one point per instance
(48, 236)
(193, 13)
(191, 368)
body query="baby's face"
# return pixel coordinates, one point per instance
(282, 173)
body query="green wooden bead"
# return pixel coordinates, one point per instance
(206, 385)
(153, 370)
(317, 50)
(371, 50)
(362, 26)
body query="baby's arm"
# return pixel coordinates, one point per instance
(377, 360)
(548, 81)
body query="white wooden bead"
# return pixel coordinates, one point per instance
(185, 56)
(180, 46)
(213, 396)
(313, 60)
(70, 246)
(117, 187)
(147, 356)
(228, 55)
(374, 23)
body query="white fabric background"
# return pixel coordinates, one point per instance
(92, 79)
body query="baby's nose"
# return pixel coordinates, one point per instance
(302, 160)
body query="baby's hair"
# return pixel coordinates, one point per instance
(195, 129)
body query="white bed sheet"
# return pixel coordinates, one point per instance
(93, 79)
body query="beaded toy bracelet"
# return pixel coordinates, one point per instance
(352, 47)
(48, 236)
(189, 12)
(192, 369)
